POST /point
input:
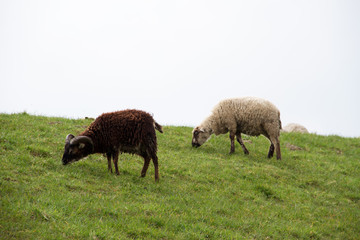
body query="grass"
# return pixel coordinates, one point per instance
(203, 193)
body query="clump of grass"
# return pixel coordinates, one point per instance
(203, 193)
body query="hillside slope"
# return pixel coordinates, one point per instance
(203, 193)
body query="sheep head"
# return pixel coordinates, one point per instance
(77, 148)
(200, 136)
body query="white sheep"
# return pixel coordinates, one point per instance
(295, 127)
(249, 115)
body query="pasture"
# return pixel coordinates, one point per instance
(203, 193)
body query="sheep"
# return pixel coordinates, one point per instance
(249, 115)
(129, 131)
(295, 127)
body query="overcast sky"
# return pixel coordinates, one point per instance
(177, 59)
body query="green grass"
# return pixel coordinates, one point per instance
(203, 193)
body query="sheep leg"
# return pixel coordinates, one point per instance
(239, 139)
(146, 165)
(115, 159)
(276, 142)
(156, 165)
(108, 155)
(273, 141)
(232, 137)
(277, 148)
(271, 150)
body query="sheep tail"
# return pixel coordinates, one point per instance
(158, 127)
(280, 125)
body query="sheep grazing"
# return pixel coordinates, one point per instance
(248, 115)
(128, 131)
(295, 127)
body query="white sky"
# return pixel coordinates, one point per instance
(177, 59)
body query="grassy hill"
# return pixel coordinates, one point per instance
(203, 193)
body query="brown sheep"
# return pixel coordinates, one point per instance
(128, 131)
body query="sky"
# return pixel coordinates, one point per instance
(177, 59)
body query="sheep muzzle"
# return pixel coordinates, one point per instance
(196, 145)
